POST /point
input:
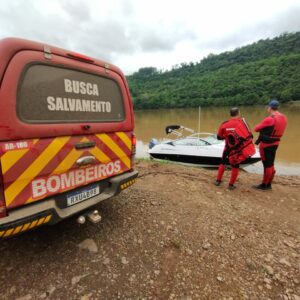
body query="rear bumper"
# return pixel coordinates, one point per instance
(48, 212)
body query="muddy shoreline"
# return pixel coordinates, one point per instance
(172, 235)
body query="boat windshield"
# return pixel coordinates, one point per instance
(212, 140)
(196, 141)
(190, 142)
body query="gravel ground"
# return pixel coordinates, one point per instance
(172, 235)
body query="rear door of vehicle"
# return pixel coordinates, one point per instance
(70, 124)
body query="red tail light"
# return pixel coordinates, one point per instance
(133, 150)
(81, 57)
(133, 144)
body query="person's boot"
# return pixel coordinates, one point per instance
(263, 187)
(231, 186)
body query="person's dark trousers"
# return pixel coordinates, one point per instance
(268, 155)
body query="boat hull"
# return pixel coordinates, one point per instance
(205, 152)
(203, 161)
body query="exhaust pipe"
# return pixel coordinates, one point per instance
(94, 216)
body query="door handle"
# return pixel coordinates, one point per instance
(85, 160)
(85, 145)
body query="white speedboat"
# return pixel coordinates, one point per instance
(202, 149)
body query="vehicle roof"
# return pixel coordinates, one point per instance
(10, 46)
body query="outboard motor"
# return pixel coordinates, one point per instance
(152, 143)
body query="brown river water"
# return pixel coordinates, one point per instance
(151, 124)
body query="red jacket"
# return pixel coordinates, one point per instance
(271, 129)
(234, 124)
(238, 139)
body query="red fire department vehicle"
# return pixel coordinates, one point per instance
(66, 135)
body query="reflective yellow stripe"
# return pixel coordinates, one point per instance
(17, 230)
(34, 169)
(115, 148)
(30, 199)
(71, 158)
(33, 224)
(100, 155)
(65, 165)
(8, 232)
(68, 162)
(11, 157)
(25, 227)
(13, 231)
(48, 218)
(41, 221)
(125, 139)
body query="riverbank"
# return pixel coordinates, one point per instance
(151, 124)
(295, 103)
(172, 235)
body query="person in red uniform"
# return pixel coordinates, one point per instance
(238, 145)
(270, 131)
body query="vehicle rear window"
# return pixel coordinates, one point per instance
(49, 94)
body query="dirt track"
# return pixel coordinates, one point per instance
(173, 235)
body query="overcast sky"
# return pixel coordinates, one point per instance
(135, 33)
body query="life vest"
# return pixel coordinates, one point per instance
(273, 133)
(239, 141)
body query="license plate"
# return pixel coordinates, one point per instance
(76, 197)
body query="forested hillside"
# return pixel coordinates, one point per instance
(248, 75)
